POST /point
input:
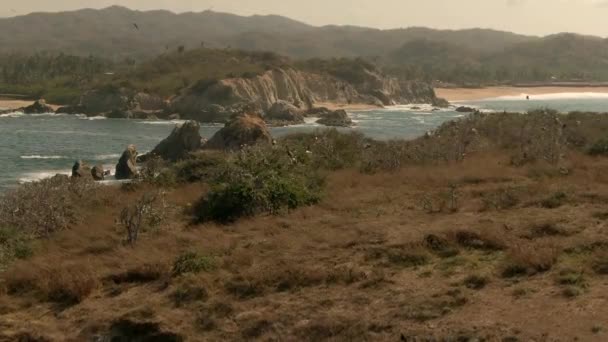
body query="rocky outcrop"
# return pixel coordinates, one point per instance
(80, 170)
(283, 112)
(300, 89)
(98, 173)
(338, 118)
(183, 139)
(38, 107)
(242, 130)
(127, 165)
(105, 100)
(121, 103)
(464, 109)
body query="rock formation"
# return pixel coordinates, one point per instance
(98, 173)
(338, 118)
(283, 112)
(464, 109)
(184, 138)
(80, 170)
(38, 107)
(245, 129)
(127, 165)
(301, 89)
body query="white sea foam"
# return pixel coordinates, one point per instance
(35, 156)
(553, 96)
(29, 177)
(91, 118)
(19, 114)
(107, 156)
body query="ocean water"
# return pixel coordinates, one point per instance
(38, 146)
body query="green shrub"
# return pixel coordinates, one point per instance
(191, 262)
(259, 180)
(599, 148)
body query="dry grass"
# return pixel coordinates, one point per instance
(367, 262)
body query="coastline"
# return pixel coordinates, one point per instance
(354, 106)
(471, 94)
(8, 103)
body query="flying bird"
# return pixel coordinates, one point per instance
(136, 26)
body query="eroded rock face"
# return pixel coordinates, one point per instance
(284, 112)
(71, 110)
(242, 130)
(338, 118)
(98, 173)
(148, 102)
(80, 170)
(127, 165)
(184, 139)
(38, 107)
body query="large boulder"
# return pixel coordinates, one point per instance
(98, 173)
(127, 165)
(105, 100)
(283, 112)
(338, 118)
(80, 170)
(184, 138)
(244, 129)
(38, 107)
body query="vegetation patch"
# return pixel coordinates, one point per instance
(192, 262)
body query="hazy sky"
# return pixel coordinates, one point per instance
(524, 16)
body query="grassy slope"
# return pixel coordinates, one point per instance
(506, 259)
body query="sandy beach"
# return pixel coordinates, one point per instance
(468, 94)
(16, 104)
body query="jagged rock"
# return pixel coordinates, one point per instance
(80, 169)
(464, 109)
(245, 129)
(127, 165)
(284, 112)
(338, 118)
(98, 173)
(184, 138)
(38, 107)
(439, 102)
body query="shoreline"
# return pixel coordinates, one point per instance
(353, 106)
(12, 103)
(472, 94)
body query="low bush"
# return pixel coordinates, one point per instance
(527, 260)
(42, 208)
(599, 148)
(191, 262)
(64, 284)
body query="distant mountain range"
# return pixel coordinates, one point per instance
(476, 56)
(121, 32)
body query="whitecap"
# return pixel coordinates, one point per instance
(35, 156)
(40, 175)
(106, 156)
